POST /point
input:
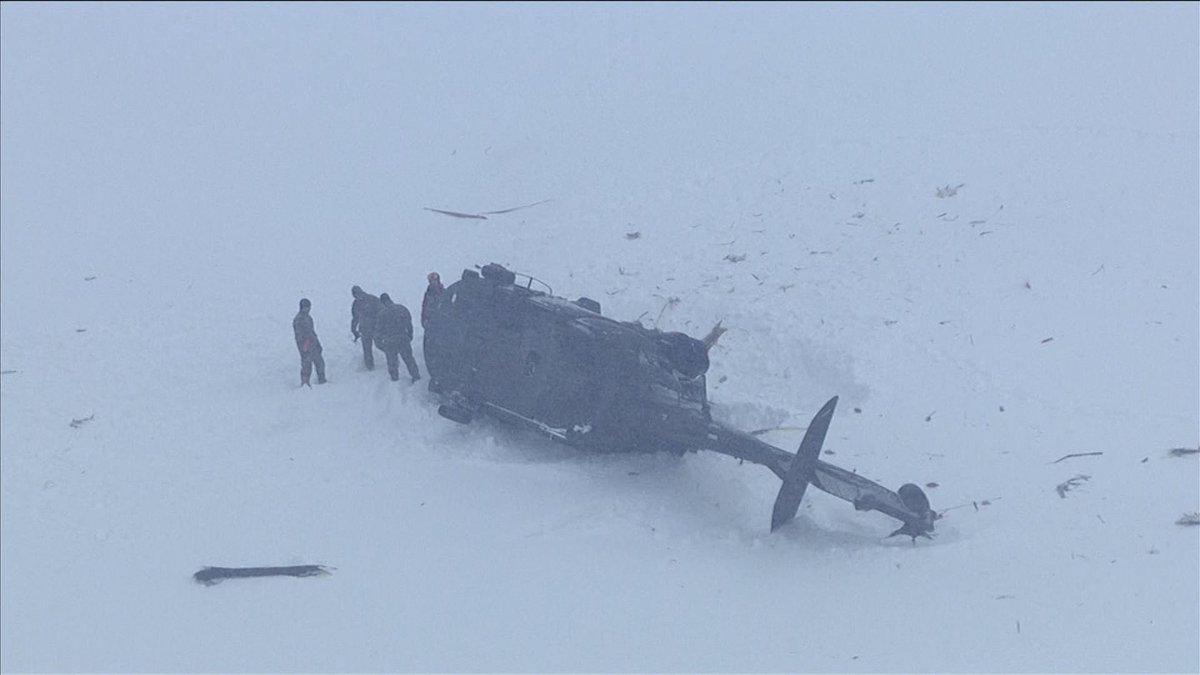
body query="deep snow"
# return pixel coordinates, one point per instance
(175, 178)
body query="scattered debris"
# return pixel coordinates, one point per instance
(9, 372)
(715, 334)
(212, 575)
(671, 302)
(89, 278)
(949, 190)
(931, 485)
(1076, 454)
(975, 504)
(1098, 270)
(865, 180)
(1047, 340)
(1182, 452)
(858, 410)
(1001, 408)
(929, 417)
(735, 258)
(1065, 487)
(981, 222)
(1189, 519)
(633, 235)
(80, 330)
(76, 423)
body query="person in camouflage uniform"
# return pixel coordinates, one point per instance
(394, 334)
(308, 344)
(362, 322)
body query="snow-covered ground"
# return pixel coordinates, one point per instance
(978, 224)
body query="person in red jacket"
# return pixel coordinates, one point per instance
(435, 289)
(308, 344)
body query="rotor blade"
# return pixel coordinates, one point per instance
(456, 214)
(515, 208)
(801, 471)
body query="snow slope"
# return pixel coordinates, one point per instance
(979, 225)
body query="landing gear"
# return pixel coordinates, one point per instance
(455, 413)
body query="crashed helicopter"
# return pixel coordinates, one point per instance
(495, 345)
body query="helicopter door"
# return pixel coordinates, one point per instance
(498, 374)
(540, 361)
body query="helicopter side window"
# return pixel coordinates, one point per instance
(533, 363)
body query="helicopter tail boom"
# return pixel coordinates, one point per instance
(909, 505)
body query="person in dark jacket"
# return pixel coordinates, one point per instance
(362, 322)
(308, 344)
(394, 334)
(435, 289)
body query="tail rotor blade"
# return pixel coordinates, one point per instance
(795, 483)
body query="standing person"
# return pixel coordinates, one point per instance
(394, 333)
(362, 322)
(308, 344)
(435, 289)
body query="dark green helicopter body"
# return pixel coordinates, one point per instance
(531, 358)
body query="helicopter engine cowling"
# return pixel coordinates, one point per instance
(686, 354)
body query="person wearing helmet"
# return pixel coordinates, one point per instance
(394, 333)
(434, 289)
(308, 344)
(362, 322)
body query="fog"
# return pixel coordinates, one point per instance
(977, 224)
